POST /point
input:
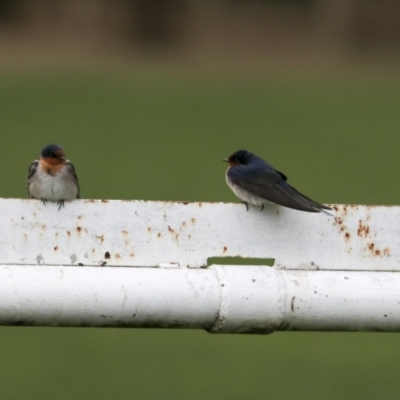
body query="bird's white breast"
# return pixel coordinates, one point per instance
(60, 186)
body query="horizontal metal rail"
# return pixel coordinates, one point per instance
(144, 264)
(220, 299)
(151, 233)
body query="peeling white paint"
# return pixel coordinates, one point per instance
(150, 233)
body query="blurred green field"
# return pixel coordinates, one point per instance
(163, 138)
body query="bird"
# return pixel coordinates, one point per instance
(256, 182)
(53, 177)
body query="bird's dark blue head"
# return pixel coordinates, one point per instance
(239, 157)
(52, 151)
(53, 154)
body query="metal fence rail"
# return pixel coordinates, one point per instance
(144, 264)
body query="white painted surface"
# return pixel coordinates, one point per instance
(146, 233)
(226, 299)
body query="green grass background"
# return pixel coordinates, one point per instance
(163, 138)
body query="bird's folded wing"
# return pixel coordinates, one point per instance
(32, 170)
(71, 168)
(242, 175)
(272, 186)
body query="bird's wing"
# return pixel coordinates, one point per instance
(72, 171)
(271, 185)
(256, 178)
(31, 174)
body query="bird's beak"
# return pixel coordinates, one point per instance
(225, 160)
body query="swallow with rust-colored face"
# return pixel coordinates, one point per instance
(53, 177)
(256, 182)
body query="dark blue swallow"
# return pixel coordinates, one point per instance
(256, 182)
(53, 177)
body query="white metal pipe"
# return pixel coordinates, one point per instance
(230, 299)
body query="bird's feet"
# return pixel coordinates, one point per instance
(247, 206)
(60, 204)
(262, 207)
(44, 201)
